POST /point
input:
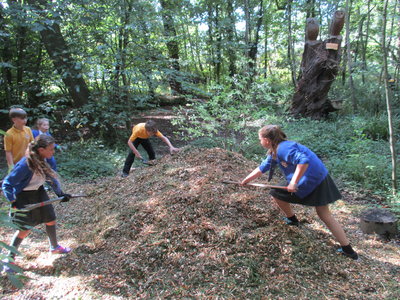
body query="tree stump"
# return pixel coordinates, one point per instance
(378, 220)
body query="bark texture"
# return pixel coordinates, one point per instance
(319, 67)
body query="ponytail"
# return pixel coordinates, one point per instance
(35, 162)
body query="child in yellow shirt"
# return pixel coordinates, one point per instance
(140, 136)
(17, 138)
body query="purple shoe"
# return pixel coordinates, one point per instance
(6, 267)
(60, 250)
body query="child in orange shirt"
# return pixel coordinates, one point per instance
(140, 136)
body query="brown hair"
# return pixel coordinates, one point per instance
(17, 112)
(35, 162)
(151, 126)
(275, 134)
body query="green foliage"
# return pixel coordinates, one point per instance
(227, 117)
(394, 203)
(377, 127)
(105, 119)
(88, 160)
(5, 258)
(347, 150)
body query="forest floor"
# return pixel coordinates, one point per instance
(175, 230)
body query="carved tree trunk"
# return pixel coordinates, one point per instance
(319, 68)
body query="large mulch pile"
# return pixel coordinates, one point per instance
(174, 230)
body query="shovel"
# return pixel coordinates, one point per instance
(148, 163)
(262, 185)
(51, 201)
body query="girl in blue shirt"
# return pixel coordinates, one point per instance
(308, 181)
(43, 126)
(24, 185)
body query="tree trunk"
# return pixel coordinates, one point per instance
(58, 50)
(230, 30)
(392, 141)
(66, 66)
(35, 89)
(21, 39)
(121, 93)
(210, 31)
(320, 65)
(290, 47)
(349, 60)
(172, 45)
(6, 56)
(365, 44)
(218, 45)
(197, 48)
(253, 47)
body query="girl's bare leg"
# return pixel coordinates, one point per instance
(325, 215)
(285, 207)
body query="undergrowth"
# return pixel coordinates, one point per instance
(88, 160)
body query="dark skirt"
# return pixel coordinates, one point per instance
(325, 193)
(44, 214)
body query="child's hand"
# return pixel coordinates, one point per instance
(174, 150)
(292, 187)
(66, 197)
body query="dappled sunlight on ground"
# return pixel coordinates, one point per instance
(174, 230)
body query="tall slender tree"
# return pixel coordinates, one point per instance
(392, 141)
(6, 57)
(349, 58)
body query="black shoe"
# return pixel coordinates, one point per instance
(353, 255)
(290, 222)
(123, 175)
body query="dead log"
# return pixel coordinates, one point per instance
(378, 220)
(319, 67)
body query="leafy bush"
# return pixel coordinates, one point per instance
(15, 278)
(394, 202)
(104, 119)
(377, 128)
(5, 222)
(88, 160)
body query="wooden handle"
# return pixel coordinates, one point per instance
(257, 185)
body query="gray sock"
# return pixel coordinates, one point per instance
(51, 233)
(15, 242)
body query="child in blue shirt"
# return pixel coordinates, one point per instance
(43, 126)
(308, 181)
(24, 185)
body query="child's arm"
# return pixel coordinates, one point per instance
(298, 173)
(134, 150)
(10, 160)
(17, 175)
(172, 149)
(253, 175)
